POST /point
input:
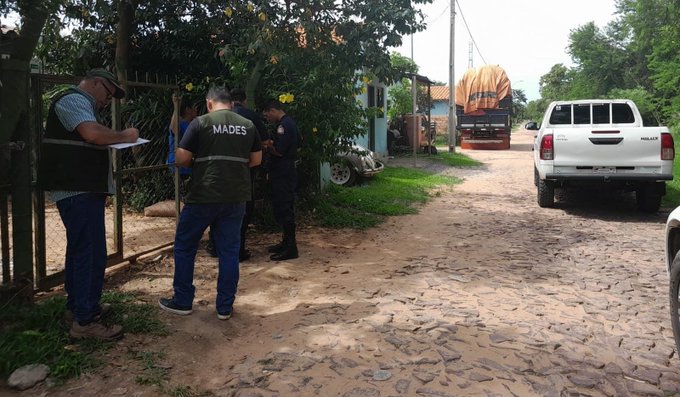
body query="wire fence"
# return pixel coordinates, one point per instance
(140, 216)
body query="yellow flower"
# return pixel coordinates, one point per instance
(315, 129)
(250, 7)
(363, 89)
(365, 79)
(228, 11)
(262, 16)
(274, 60)
(189, 87)
(286, 98)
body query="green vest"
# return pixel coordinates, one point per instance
(221, 171)
(67, 162)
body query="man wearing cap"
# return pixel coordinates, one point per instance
(75, 167)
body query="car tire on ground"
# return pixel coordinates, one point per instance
(648, 199)
(674, 295)
(343, 174)
(546, 193)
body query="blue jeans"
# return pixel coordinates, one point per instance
(225, 223)
(83, 218)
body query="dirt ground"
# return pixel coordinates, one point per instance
(482, 293)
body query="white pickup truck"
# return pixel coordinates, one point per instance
(602, 143)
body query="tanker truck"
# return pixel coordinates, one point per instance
(484, 108)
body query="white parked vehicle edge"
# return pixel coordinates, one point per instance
(602, 143)
(673, 269)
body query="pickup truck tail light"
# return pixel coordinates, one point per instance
(547, 148)
(667, 146)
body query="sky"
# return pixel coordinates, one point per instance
(524, 37)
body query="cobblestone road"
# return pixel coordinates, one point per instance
(482, 293)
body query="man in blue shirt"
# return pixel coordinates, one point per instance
(75, 167)
(187, 113)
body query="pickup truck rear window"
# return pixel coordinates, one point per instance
(561, 114)
(601, 113)
(582, 114)
(622, 113)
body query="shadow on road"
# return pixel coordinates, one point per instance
(606, 205)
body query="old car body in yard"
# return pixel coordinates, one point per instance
(355, 163)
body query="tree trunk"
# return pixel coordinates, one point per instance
(253, 81)
(15, 139)
(126, 17)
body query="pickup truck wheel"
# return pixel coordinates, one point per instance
(674, 294)
(546, 193)
(647, 199)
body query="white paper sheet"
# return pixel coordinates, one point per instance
(140, 141)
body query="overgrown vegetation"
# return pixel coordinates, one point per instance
(38, 335)
(395, 191)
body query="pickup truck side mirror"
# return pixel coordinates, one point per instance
(532, 126)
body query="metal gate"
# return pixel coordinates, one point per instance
(141, 176)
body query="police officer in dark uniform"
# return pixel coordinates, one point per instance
(220, 146)
(238, 97)
(283, 177)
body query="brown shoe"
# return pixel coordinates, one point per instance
(96, 330)
(105, 312)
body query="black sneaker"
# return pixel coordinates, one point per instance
(224, 315)
(168, 304)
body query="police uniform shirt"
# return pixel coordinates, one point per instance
(286, 138)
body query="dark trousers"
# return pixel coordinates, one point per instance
(284, 181)
(225, 222)
(83, 218)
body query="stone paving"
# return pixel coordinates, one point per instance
(498, 297)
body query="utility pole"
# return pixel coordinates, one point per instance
(452, 87)
(415, 130)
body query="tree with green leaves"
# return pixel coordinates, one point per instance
(317, 56)
(519, 104)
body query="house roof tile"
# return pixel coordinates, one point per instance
(439, 92)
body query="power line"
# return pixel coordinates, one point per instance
(439, 16)
(470, 33)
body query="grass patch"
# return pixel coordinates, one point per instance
(455, 159)
(156, 374)
(392, 192)
(37, 334)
